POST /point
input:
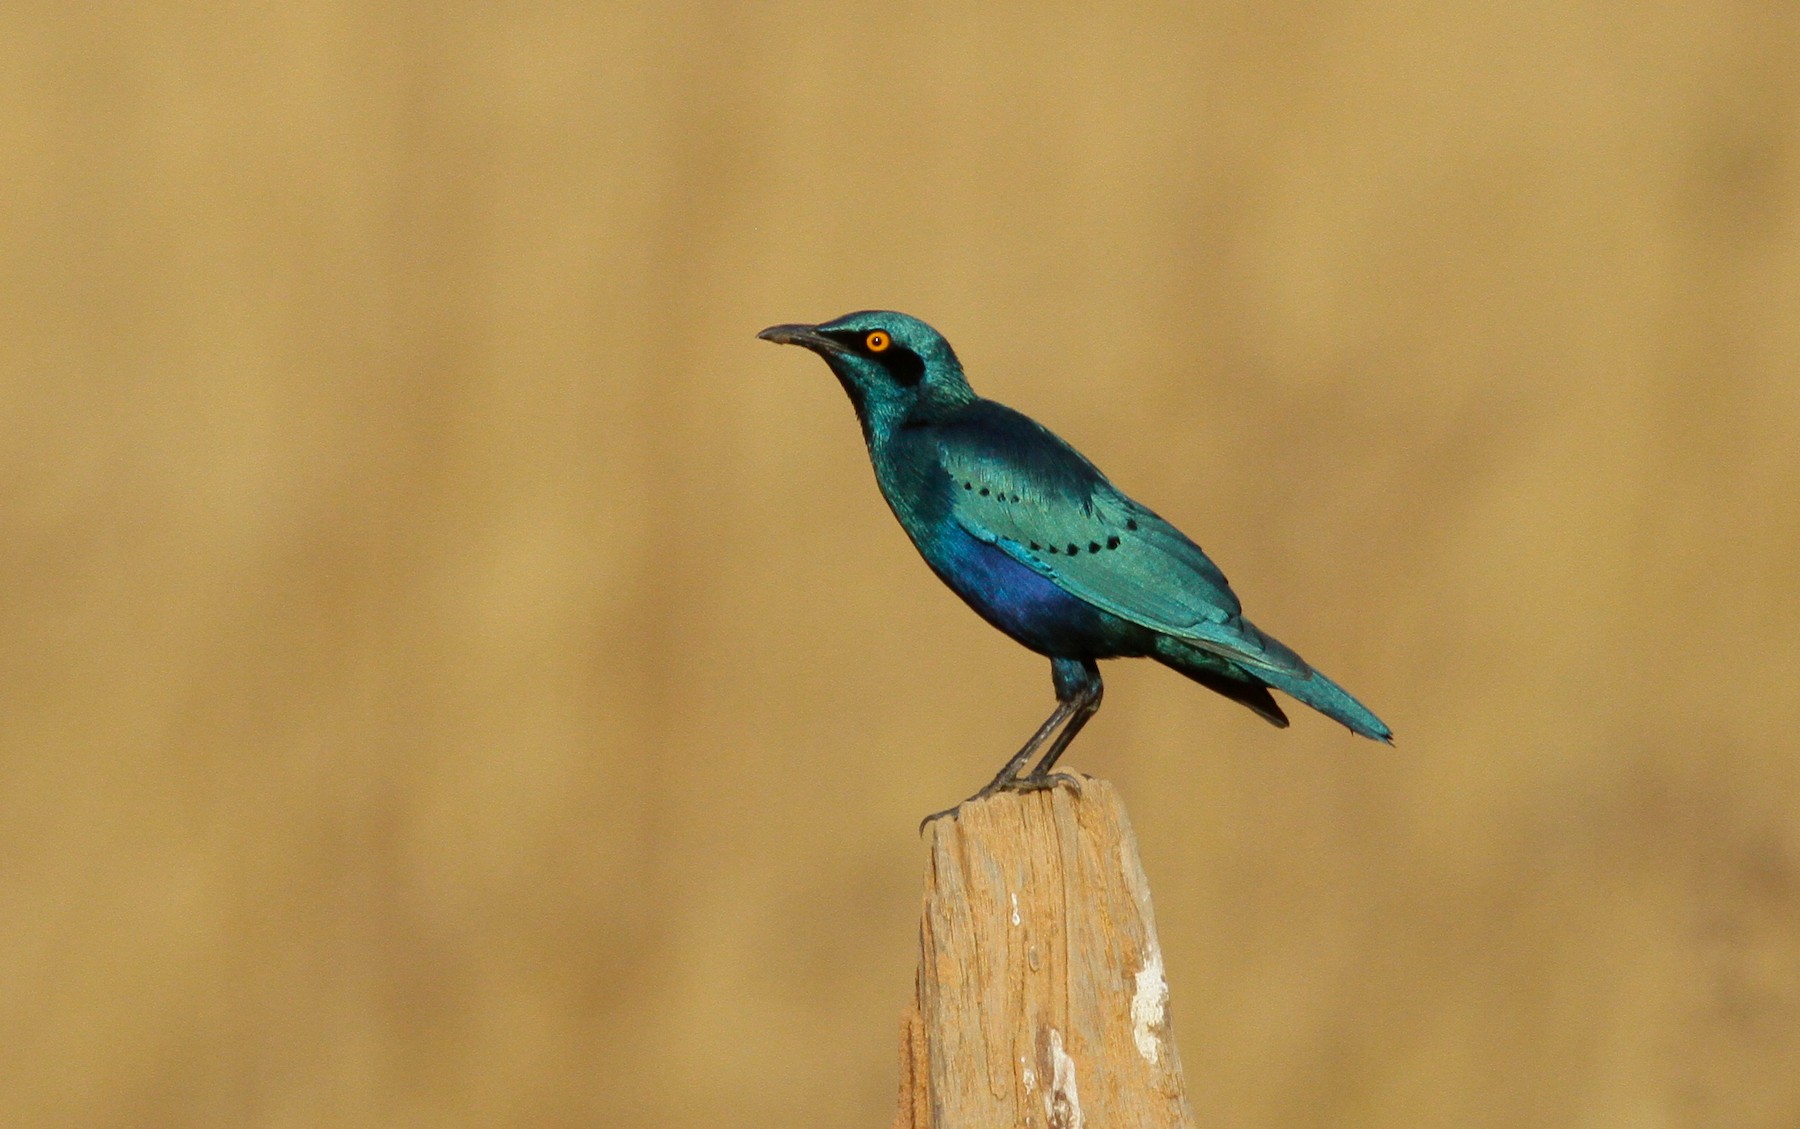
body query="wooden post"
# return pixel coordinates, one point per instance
(1040, 998)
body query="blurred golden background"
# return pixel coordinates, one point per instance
(455, 675)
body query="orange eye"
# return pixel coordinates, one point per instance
(877, 342)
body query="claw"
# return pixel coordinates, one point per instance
(937, 815)
(1032, 783)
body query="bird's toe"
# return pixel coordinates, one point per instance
(1038, 782)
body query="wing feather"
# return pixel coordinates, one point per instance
(1019, 487)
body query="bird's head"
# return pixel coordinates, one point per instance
(893, 366)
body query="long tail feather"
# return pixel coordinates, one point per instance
(1251, 689)
(1332, 700)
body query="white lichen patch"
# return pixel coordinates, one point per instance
(1062, 1103)
(1149, 1006)
(1015, 913)
(1028, 1076)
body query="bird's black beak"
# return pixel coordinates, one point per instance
(806, 336)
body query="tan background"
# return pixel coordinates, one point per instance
(454, 675)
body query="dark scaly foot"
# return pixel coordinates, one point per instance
(1009, 780)
(997, 785)
(1040, 782)
(1010, 771)
(1035, 782)
(1078, 691)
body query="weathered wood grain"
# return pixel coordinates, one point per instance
(1040, 997)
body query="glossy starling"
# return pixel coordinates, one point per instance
(1035, 539)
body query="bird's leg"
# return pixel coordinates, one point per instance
(1010, 773)
(1008, 776)
(1078, 685)
(1078, 692)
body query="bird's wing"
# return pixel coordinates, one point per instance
(1019, 487)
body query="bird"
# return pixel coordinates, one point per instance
(1034, 538)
